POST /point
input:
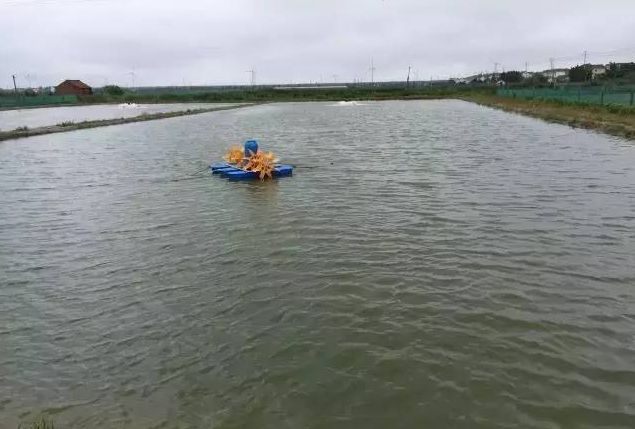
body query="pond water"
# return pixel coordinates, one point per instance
(430, 264)
(12, 119)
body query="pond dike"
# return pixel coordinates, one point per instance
(72, 126)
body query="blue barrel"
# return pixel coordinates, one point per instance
(251, 146)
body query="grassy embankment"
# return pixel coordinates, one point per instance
(614, 120)
(244, 97)
(70, 126)
(610, 119)
(268, 94)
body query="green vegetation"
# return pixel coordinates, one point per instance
(511, 76)
(611, 119)
(586, 106)
(113, 90)
(621, 72)
(38, 423)
(537, 80)
(580, 73)
(271, 94)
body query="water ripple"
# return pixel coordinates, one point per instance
(431, 263)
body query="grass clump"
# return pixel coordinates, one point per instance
(38, 423)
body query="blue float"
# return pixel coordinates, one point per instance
(233, 173)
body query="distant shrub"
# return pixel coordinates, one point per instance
(113, 90)
(66, 124)
(24, 128)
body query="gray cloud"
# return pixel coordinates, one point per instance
(215, 42)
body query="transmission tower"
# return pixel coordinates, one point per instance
(252, 79)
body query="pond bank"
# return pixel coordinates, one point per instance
(614, 120)
(71, 126)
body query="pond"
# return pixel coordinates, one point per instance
(429, 264)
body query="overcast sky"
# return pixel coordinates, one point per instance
(195, 42)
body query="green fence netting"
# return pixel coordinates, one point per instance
(27, 101)
(592, 95)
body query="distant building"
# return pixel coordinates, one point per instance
(559, 75)
(597, 70)
(527, 74)
(73, 87)
(460, 81)
(477, 78)
(622, 66)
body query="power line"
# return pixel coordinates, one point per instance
(596, 54)
(615, 51)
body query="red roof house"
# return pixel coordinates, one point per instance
(73, 87)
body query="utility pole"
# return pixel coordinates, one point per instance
(17, 94)
(553, 76)
(372, 72)
(525, 67)
(408, 79)
(584, 58)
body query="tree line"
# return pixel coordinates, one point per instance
(580, 73)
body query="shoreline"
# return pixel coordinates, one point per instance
(115, 102)
(73, 126)
(613, 120)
